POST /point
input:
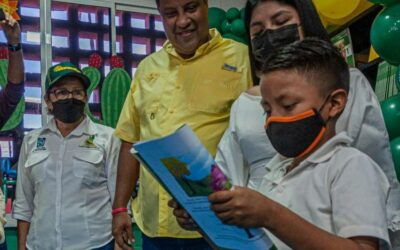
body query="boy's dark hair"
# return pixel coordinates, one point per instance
(309, 18)
(316, 59)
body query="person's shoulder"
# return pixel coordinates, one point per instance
(153, 59)
(33, 133)
(349, 152)
(355, 71)
(337, 152)
(32, 136)
(234, 45)
(356, 75)
(254, 91)
(351, 164)
(348, 157)
(248, 100)
(100, 130)
(359, 83)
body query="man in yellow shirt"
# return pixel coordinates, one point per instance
(193, 80)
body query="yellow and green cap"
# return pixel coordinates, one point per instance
(58, 71)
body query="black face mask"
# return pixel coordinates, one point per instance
(298, 135)
(269, 40)
(68, 110)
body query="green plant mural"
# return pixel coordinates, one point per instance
(113, 93)
(94, 75)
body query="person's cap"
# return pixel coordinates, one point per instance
(58, 71)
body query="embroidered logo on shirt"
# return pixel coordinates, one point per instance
(40, 144)
(229, 67)
(89, 142)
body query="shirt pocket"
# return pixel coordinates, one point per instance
(216, 93)
(88, 164)
(153, 99)
(36, 163)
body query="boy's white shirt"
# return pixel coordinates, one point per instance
(337, 188)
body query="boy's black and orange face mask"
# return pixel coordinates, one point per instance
(295, 136)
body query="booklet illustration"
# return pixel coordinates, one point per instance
(189, 173)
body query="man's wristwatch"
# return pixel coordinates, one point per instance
(14, 47)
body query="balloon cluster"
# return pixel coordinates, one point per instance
(230, 23)
(385, 31)
(391, 114)
(385, 37)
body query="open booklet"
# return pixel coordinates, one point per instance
(188, 172)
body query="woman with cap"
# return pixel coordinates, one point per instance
(66, 172)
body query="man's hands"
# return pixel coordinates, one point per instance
(127, 176)
(122, 230)
(183, 218)
(11, 29)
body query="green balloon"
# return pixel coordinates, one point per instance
(226, 27)
(395, 148)
(235, 38)
(385, 34)
(398, 78)
(384, 2)
(243, 13)
(238, 28)
(391, 114)
(232, 14)
(215, 18)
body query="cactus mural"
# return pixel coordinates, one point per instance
(93, 73)
(18, 114)
(114, 89)
(113, 93)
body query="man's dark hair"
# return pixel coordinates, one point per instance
(158, 3)
(309, 18)
(316, 59)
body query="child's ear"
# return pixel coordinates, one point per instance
(338, 102)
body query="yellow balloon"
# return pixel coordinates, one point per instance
(364, 5)
(336, 9)
(323, 20)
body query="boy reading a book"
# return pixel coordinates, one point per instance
(319, 193)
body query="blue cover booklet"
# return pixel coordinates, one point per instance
(189, 173)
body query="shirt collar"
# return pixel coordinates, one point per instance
(278, 164)
(85, 127)
(216, 38)
(324, 153)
